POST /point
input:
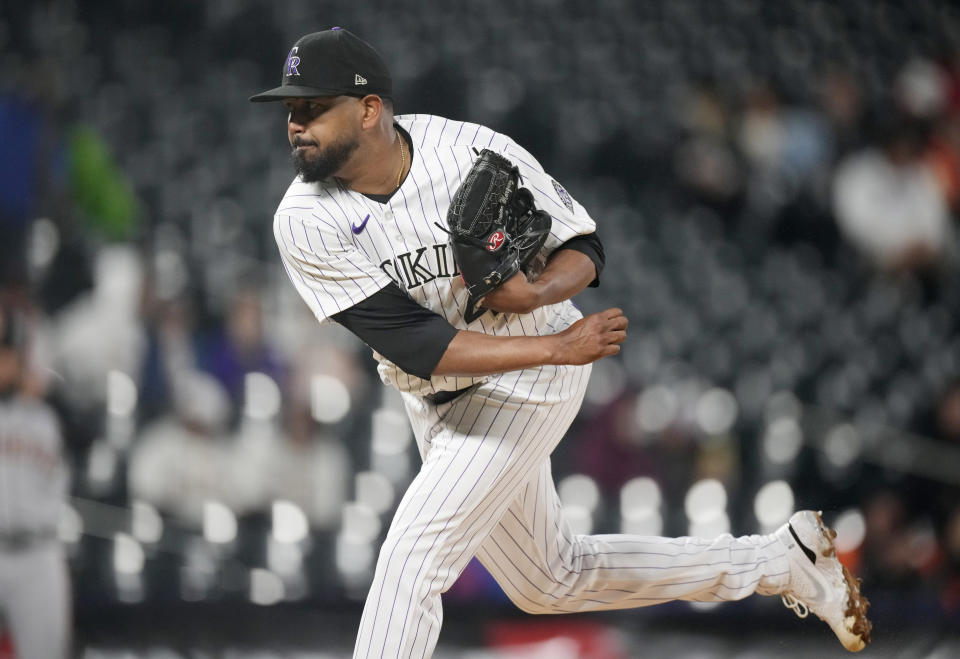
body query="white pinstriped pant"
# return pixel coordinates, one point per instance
(485, 489)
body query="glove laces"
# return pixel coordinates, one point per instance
(795, 605)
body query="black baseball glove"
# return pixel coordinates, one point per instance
(494, 227)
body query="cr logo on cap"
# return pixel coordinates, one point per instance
(293, 61)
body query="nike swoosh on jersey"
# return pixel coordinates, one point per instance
(358, 229)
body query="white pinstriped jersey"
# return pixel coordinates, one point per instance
(339, 246)
(33, 476)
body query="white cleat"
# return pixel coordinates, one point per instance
(819, 582)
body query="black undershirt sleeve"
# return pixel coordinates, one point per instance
(591, 246)
(412, 337)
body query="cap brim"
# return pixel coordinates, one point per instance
(292, 91)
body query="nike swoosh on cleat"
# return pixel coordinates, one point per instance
(358, 229)
(821, 595)
(806, 550)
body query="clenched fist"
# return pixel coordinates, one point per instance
(591, 338)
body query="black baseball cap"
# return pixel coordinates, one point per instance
(333, 62)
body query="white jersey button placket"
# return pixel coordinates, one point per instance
(391, 226)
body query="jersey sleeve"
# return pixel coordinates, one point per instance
(570, 219)
(326, 268)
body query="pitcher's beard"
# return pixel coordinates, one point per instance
(316, 164)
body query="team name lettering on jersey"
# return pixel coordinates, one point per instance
(422, 266)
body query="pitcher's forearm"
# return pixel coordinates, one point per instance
(587, 340)
(475, 353)
(567, 273)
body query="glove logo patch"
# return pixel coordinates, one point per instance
(564, 195)
(495, 241)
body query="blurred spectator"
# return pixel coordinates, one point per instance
(102, 194)
(950, 584)
(610, 446)
(888, 203)
(183, 460)
(761, 131)
(950, 66)
(324, 351)
(887, 554)
(241, 347)
(921, 89)
(34, 479)
(943, 157)
(170, 351)
(948, 414)
(101, 331)
(841, 102)
(654, 434)
(787, 149)
(705, 162)
(944, 501)
(33, 168)
(316, 474)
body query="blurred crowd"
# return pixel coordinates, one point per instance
(885, 174)
(876, 182)
(788, 254)
(868, 187)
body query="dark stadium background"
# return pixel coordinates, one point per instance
(774, 361)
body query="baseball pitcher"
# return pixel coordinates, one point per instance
(448, 249)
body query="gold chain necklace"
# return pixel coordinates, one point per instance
(402, 160)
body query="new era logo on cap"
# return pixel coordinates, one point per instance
(359, 79)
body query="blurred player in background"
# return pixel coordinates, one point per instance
(34, 579)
